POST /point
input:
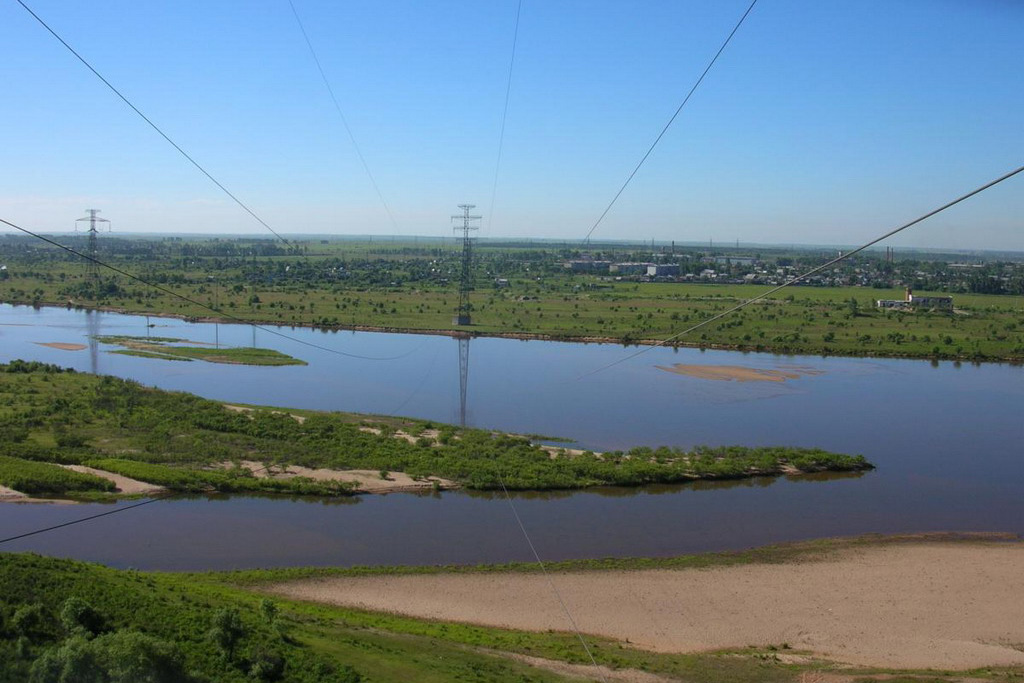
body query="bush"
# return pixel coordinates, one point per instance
(43, 478)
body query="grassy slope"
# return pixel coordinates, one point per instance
(173, 439)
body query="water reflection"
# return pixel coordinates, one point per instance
(279, 497)
(663, 489)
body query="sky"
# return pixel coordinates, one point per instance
(823, 122)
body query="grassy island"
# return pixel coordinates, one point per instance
(187, 443)
(169, 348)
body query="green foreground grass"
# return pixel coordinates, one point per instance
(188, 443)
(120, 626)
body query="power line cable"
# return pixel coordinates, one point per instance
(194, 302)
(508, 497)
(670, 121)
(504, 114)
(551, 583)
(89, 518)
(152, 125)
(344, 121)
(804, 276)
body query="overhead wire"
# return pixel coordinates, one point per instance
(504, 114)
(344, 120)
(803, 276)
(551, 582)
(522, 527)
(152, 125)
(672, 119)
(195, 302)
(89, 518)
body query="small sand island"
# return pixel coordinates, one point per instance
(170, 348)
(63, 346)
(739, 373)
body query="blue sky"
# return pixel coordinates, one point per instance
(823, 122)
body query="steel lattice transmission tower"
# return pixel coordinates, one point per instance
(462, 316)
(92, 268)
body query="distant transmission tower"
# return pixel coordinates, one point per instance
(462, 316)
(92, 268)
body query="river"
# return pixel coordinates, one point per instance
(946, 438)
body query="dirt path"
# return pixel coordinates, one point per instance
(123, 484)
(928, 605)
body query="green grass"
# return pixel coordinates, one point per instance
(173, 349)
(183, 442)
(39, 478)
(149, 354)
(544, 301)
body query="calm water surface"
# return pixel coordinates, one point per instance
(947, 440)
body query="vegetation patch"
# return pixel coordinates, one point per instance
(170, 348)
(38, 478)
(181, 441)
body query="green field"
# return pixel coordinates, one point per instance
(188, 443)
(409, 287)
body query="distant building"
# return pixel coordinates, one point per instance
(943, 303)
(629, 268)
(587, 266)
(662, 270)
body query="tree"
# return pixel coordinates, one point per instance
(133, 657)
(72, 662)
(227, 630)
(78, 617)
(853, 307)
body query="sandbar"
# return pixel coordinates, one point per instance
(913, 605)
(367, 481)
(124, 484)
(738, 373)
(63, 346)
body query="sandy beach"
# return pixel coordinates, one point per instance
(907, 605)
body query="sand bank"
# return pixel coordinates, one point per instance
(368, 481)
(123, 484)
(62, 346)
(739, 373)
(920, 605)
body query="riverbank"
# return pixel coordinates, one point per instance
(305, 641)
(892, 340)
(922, 603)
